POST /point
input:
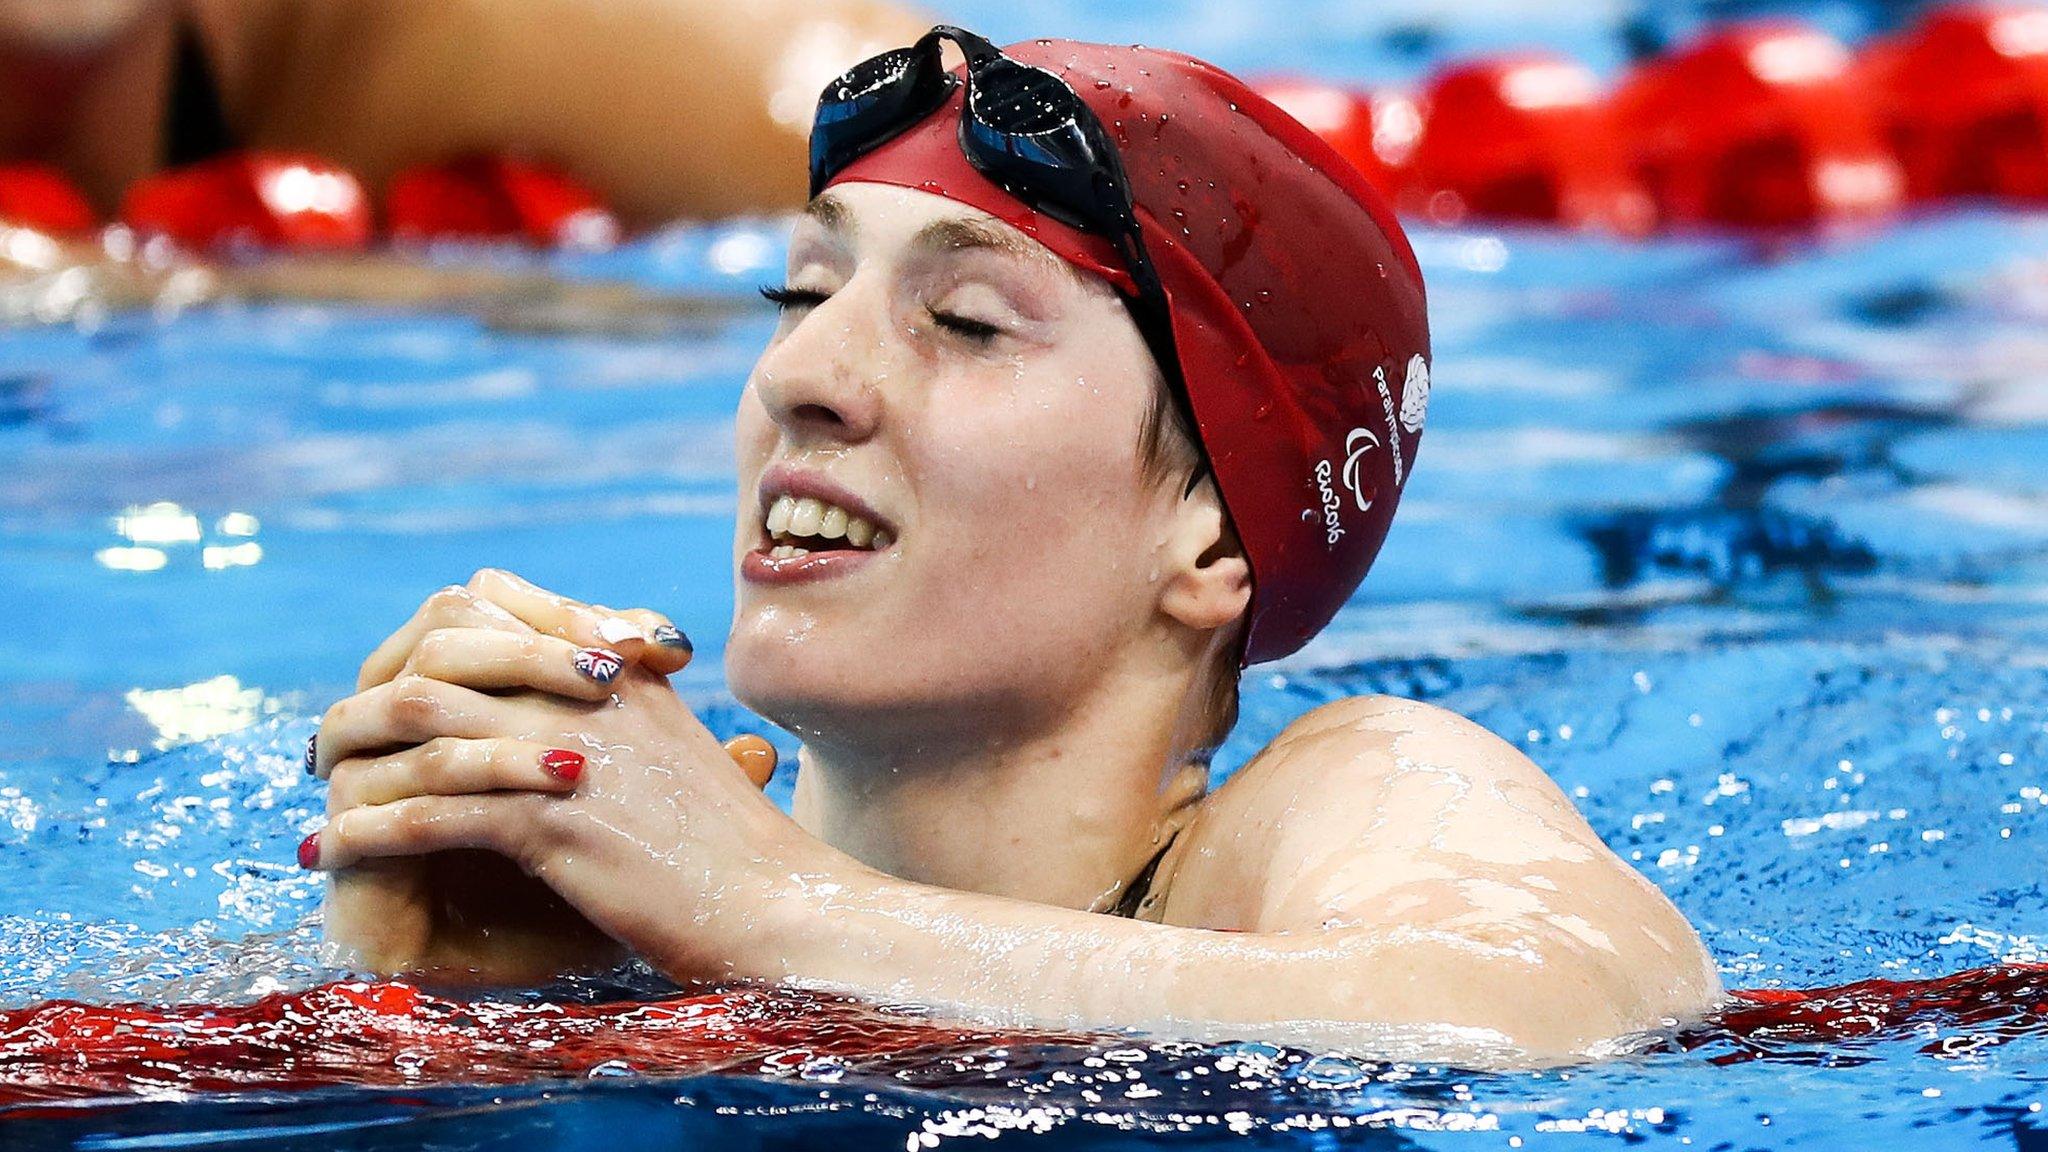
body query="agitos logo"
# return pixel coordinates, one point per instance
(1356, 445)
(1362, 441)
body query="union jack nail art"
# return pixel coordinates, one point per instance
(670, 636)
(312, 751)
(599, 664)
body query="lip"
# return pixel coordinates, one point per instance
(757, 567)
(781, 480)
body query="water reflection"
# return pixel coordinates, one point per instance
(201, 711)
(153, 529)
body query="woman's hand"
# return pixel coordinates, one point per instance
(497, 599)
(427, 762)
(475, 913)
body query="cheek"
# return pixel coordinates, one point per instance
(753, 442)
(1041, 489)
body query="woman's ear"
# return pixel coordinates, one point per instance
(1208, 581)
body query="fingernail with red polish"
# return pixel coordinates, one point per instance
(599, 664)
(309, 851)
(562, 764)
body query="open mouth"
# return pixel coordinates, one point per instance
(800, 526)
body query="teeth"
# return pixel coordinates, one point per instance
(787, 552)
(790, 518)
(808, 515)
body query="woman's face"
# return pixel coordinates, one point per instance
(942, 516)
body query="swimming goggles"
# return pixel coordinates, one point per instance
(1024, 129)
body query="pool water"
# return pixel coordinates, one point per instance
(1745, 541)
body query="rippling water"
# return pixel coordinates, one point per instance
(1746, 544)
(1748, 548)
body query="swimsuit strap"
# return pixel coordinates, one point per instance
(195, 124)
(1133, 898)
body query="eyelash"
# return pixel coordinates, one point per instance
(974, 331)
(785, 297)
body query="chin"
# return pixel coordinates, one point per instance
(797, 677)
(843, 689)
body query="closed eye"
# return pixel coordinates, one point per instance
(785, 298)
(975, 331)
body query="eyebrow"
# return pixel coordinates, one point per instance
(953, 235)
(959, 235)
(829, 212)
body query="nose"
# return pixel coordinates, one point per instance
(821, 382)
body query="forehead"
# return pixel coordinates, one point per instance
(879, 217)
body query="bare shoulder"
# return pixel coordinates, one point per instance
(1376, 812)
(1366, 777)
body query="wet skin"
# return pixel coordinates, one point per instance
(703, 107)
(998, 697)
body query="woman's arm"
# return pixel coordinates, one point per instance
(1384, 871)
(714, 883)
(1394, 880)
(669, 107)
(1424, 992)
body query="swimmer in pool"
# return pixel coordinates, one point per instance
(1098, 379)
(668, 107)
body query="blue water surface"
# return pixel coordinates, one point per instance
(1745, 542)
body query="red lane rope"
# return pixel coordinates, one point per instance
(296, 202)
(1964, 1011)
(395, 1034)
(392, 1034)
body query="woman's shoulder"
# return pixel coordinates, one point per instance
(1358, 741)
(1400, 828)
(1370, 801)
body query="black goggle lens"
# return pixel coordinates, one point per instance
(872, 102)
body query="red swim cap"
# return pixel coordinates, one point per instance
(1297, 307)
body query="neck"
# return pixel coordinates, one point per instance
(1067, 813)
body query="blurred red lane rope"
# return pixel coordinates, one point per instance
(393, 1034)
(1753, 124)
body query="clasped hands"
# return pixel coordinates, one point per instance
(516, 791)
